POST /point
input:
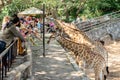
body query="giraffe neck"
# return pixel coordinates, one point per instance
(72, 46)
(78, 36)
(75, 34)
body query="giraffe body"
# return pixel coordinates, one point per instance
(92, 60)
(84, 49)
(80, 37)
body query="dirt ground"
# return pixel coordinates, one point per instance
(114, 61)
(55, 66)
(42, 67)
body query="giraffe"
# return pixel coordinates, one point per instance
(91, 59)
(80, 37)
(74, 33)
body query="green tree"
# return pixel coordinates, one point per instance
(64, 9)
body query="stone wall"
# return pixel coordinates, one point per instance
(111, 30)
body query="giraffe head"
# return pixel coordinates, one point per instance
(60, 32)
(57, 34)
(57, 22)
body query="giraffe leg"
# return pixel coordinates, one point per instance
(96, 76)
(84, 69)
(98, 73)
(105, 72)
(101, 75)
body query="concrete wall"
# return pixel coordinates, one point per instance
(111, 29)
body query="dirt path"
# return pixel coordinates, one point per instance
(56, 66)
(114, 61)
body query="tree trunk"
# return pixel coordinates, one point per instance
(80, 7)
(67, 16)
(3, 3)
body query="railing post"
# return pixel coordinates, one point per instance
(6, 59)
(44, 30)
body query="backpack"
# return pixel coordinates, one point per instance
(2, 46)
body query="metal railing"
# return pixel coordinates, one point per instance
(22, 71)
(6, 58)
(98, 21)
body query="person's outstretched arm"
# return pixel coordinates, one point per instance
(17, 33)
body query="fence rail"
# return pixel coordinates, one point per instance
(24, 70)
(98, 21)
(16, 73)
(6, 58)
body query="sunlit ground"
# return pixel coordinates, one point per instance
(55, 66)
(114, 62)
(58, 72)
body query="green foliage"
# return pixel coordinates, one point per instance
(65, 9)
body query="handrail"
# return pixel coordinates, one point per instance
(99, 20)
(5, 51)
(99, 25)
(26, 67)
(110, 14)
(19, 69)
(6, 58)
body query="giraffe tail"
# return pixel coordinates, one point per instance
(107, 71)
